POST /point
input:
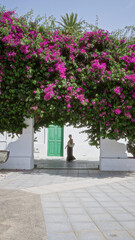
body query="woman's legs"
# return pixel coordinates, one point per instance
(70, 156)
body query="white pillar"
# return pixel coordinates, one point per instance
(20, 147)
(113, 156)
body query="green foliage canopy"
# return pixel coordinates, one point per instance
(58, 79)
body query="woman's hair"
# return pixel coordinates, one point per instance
(71, 140)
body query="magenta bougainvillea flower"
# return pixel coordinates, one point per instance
(68, 105)
(117, 90)
(117, 111)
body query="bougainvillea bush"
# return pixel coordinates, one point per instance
(58, 79)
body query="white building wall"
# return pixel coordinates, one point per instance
(40, 149)
(82, 150)
(20, 147)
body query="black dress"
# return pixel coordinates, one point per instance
(70, 156)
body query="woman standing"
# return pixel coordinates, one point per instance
(69, 147)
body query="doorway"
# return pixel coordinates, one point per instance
(55, 141)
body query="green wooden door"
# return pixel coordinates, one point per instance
(55, 141)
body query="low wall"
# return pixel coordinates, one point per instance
(113, 156)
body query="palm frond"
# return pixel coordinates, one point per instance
(70, 23)
(75, 18)
(68, 20)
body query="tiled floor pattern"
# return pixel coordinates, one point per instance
(81, 204)
(99, 212)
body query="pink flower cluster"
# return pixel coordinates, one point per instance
(117, 90)
(49, 93)
(97, 66)
(117, 111)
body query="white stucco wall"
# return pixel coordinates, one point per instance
(20, 147)
(113, 156)
(112, 149)
(82, 150)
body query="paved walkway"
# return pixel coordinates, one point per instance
(75, 205)
(63, 164)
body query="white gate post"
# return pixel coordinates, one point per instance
(20, 147)
(113, 156)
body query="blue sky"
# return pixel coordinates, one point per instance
(112, 14)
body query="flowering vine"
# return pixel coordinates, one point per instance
(59, 79)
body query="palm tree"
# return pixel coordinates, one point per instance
(70, 24)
